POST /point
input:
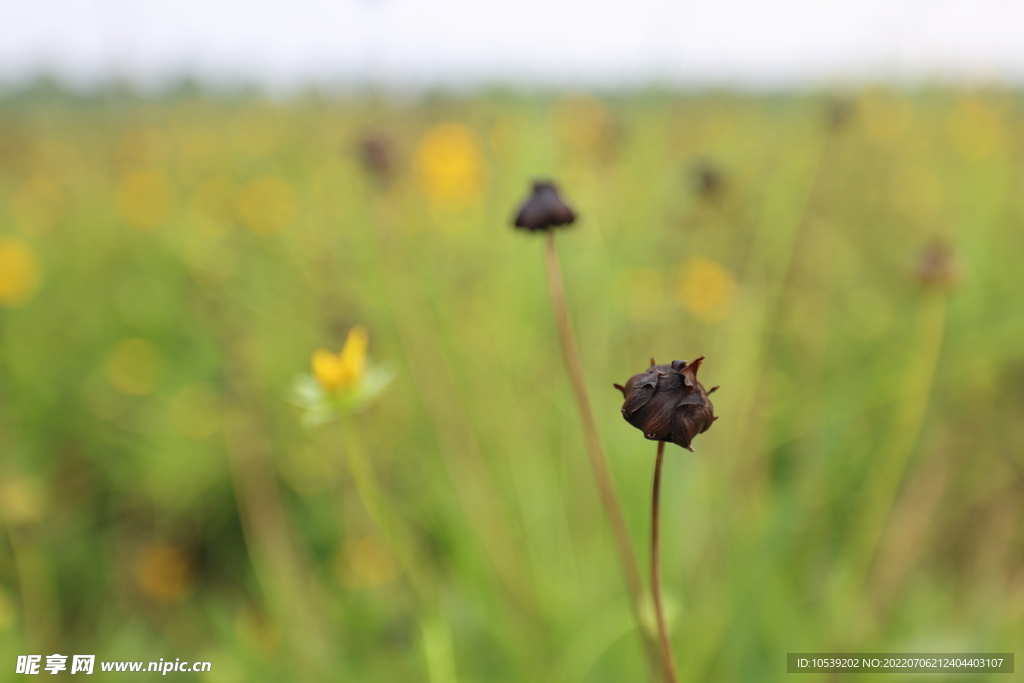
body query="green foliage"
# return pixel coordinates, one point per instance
(161, 498)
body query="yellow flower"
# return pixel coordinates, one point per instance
(266, 204)
(366, 563)
(450, 165)
(145, 198)
(706, 289)
(163, 572)
(19, 272)
(345, 369)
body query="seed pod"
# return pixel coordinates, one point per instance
(708, 180)
(937, 266)
(544, 209)
(377, 155)
(668, 402)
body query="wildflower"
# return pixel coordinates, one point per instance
(19, 272)
(344, 370)
(340, 383)
(145, 198)
(164, 572)
(668, 402)
(266, 204)
(450, 166)
(544, 209)
(706, 289)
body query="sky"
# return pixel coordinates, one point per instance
(417, 43)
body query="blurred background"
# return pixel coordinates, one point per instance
(825, 199)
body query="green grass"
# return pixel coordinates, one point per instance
(860, 493)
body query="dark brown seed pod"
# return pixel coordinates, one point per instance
(668, 402)
(377, 156)
(937, 265)
(708, 180)
(544, 209)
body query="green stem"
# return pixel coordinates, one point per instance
(436, 632)
(595, 450)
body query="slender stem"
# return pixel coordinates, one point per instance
(666, 648)
(595, 450)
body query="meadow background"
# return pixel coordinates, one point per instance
(169, 264)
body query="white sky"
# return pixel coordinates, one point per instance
(286, 43)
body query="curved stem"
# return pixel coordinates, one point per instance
(666, 648)
(595, 450)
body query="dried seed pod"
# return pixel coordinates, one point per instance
(668, 402)
(839, 111)
(377, 155)
(544, 209)
(937, 265)
(708, 179)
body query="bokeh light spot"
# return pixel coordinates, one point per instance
(19, 272)
(22, 499)
(450, 165)
(133, 367)
(163, 572)
(145, 198)
(266, 204)
(366, 563)
(706, 289)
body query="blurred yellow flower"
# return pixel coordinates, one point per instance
(19, 272)
(706, 289)
(975, 129)
(450, 165)
(145, 198)
(366, 563)
(346, 369)
(266, 204)
(133, 367)
(163, 572)
(22, 499)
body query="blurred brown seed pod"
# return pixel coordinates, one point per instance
(544, 209)
(708, 180)
(937, 265)
(376, 153)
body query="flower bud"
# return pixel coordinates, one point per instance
(668, 403)
(544, 209)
